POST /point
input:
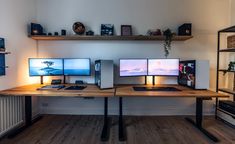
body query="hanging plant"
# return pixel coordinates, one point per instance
(167, 43)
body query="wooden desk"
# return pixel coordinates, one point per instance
(199, 95)
(32, 90)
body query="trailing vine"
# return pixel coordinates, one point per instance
(168, 39)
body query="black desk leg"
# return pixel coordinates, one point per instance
(199, 117)
(106, 127)
(28, 118)
(122, 127)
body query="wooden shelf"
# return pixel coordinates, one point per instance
(118, 38)
(227, 50)
(225, 70)
(226, 90)
(3, 52)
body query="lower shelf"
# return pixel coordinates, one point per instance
(226, 90)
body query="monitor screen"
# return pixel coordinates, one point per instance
(133, 67)
(2, 64)
(187, 73)
(163, 67)
(77, 67)
(45, 67)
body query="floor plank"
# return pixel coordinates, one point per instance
(55, 129)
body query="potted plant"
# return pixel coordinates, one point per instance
(168, 39)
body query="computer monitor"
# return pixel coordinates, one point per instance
(163, 67)
(133, 67)
(77, 67)
(187, 71)
(2, 65)
(45, 67)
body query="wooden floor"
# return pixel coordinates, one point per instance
(140, 130)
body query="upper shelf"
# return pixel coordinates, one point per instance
(227, 50)
(120, 38)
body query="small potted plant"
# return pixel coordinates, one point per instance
(168, 39)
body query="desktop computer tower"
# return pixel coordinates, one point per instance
(194, 74)
(104, 74)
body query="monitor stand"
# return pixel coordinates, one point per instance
(41, 79)
(64, 79)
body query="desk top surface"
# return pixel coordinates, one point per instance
(32, 90)
(119, 91)
(128, 91)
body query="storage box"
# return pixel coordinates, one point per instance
(231, 41)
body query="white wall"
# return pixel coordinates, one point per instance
(207, 17)
(15, 15)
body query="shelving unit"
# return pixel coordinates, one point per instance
(219, 51)
(111, 38)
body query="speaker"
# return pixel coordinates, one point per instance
(36, 29)
(185, 29)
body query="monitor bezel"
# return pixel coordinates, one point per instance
(75, 59)
(160, 59)
(46, 58)
(133, 59)
(189, 61)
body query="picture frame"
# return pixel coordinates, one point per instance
(126, 30)
(107, 29)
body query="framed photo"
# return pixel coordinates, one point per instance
(126, 30)
(107, 29)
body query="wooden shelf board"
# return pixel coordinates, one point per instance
(227, 50)
(120, 38)
(225, 70)
(226, 90)
(229, 29)
(3, 52)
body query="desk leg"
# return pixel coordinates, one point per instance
(122, 128)
(106, 127)
(199, 118)
(28, 118)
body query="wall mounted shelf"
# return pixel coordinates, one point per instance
(3, 52)
(111, 38)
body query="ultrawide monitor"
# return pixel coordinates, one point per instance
(163, 67)
(77, 67)
(133, 67)
(45, 67)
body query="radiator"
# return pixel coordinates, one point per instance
(11, 113)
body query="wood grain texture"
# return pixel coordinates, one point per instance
(120, 38)
(140, 130)
(128, 91)
(31, 90)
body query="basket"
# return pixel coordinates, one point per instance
(231, 41)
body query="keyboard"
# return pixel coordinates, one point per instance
(75, 88)
(155, 89)
(52, 87)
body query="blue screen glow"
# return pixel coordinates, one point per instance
(77, 67)
(45, 67)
